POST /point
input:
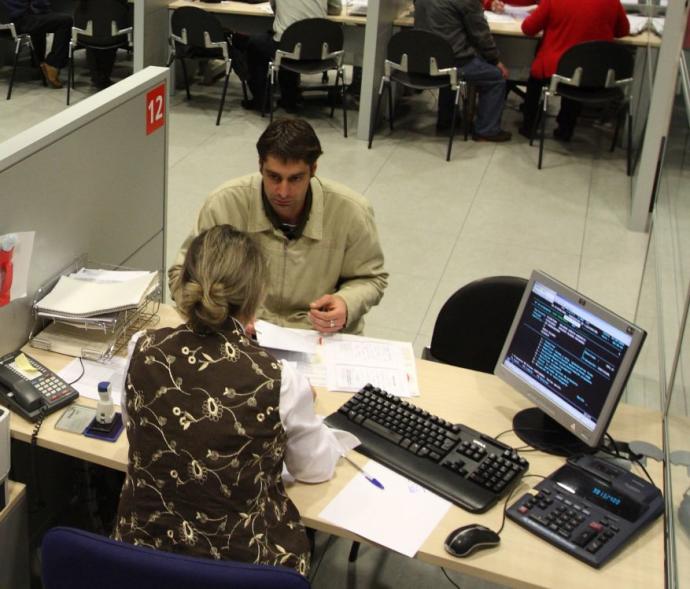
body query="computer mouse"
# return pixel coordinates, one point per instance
(468, 539)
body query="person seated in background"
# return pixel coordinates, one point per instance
(100, 61)
(499, 6)
(566, 23)
(320, 239)
(212, 418)
(37, 18)
(463, 25)
(262, 48)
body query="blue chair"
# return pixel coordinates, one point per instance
(74, 559)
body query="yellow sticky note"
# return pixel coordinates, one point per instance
(22, 362)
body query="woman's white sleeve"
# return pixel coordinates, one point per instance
(313, 449)
(123, 385)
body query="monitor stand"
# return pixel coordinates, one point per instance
(540, 431)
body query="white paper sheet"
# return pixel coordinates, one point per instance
(518, 12)
(95, 372)
(281, 338)
(400, 516)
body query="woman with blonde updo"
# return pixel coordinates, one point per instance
(212, 418)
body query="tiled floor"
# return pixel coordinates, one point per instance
(489, 211)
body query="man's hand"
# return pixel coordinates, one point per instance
(498, 6)
(250, 329)
(328, 314)
(504, 70)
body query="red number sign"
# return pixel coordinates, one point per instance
(155, 109)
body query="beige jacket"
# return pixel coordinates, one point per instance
(338, 252)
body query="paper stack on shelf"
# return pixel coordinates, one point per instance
(88, 293)
(94, 311)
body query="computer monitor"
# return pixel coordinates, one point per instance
(572, 358)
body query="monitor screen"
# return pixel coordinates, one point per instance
(571, 358)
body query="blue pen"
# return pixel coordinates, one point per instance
(367, 476)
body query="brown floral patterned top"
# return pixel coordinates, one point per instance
(206, 449)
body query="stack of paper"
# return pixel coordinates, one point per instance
(357, 7)
(344, 362)
(96, 292)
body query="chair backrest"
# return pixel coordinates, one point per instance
(74, 559)
(196, 22)
(312, 34)
(472, 325)
(420, 47)
(102, 13)
(596, 58)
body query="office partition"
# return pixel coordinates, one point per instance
(90, 180)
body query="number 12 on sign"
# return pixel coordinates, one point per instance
(155, 109)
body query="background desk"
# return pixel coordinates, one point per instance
(482, 402)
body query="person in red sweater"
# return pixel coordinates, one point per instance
(566, 23)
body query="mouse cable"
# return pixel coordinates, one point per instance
(453, 583)
(510, 496)
(315, 569)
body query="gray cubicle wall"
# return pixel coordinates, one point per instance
(89, 180)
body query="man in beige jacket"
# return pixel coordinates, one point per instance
(319, 238)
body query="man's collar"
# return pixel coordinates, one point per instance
(259, 222)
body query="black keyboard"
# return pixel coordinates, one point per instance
(454, 461)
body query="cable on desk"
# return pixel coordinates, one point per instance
(629, 455)
(509, 497)
(81, 362)
(453, 583)
(315, 569)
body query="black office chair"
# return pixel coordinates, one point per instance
(596, 73)
(472, 325)
(9, 32)
(102, 25)
(424, 61)
(311, 46)
(197, 34)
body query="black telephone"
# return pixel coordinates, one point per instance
(32, 393)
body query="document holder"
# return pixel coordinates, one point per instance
(96, 337)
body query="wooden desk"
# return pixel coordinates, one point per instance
(255, 10)
(485, 403)
(405, 19)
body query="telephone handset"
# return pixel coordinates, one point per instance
(30, 389)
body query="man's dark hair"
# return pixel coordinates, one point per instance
(289, 140)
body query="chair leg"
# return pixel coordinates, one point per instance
(620, 115)
(629, 150)
(344, 99)
(334, 94)
(222, 98)
(542, 132)
(390, 105)
(17, 47)
(354, 551)
(271, 82)
(453, 122)
(375, 122)
(186, 78)
(70, 76)
(468, 109)
(244, 90)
